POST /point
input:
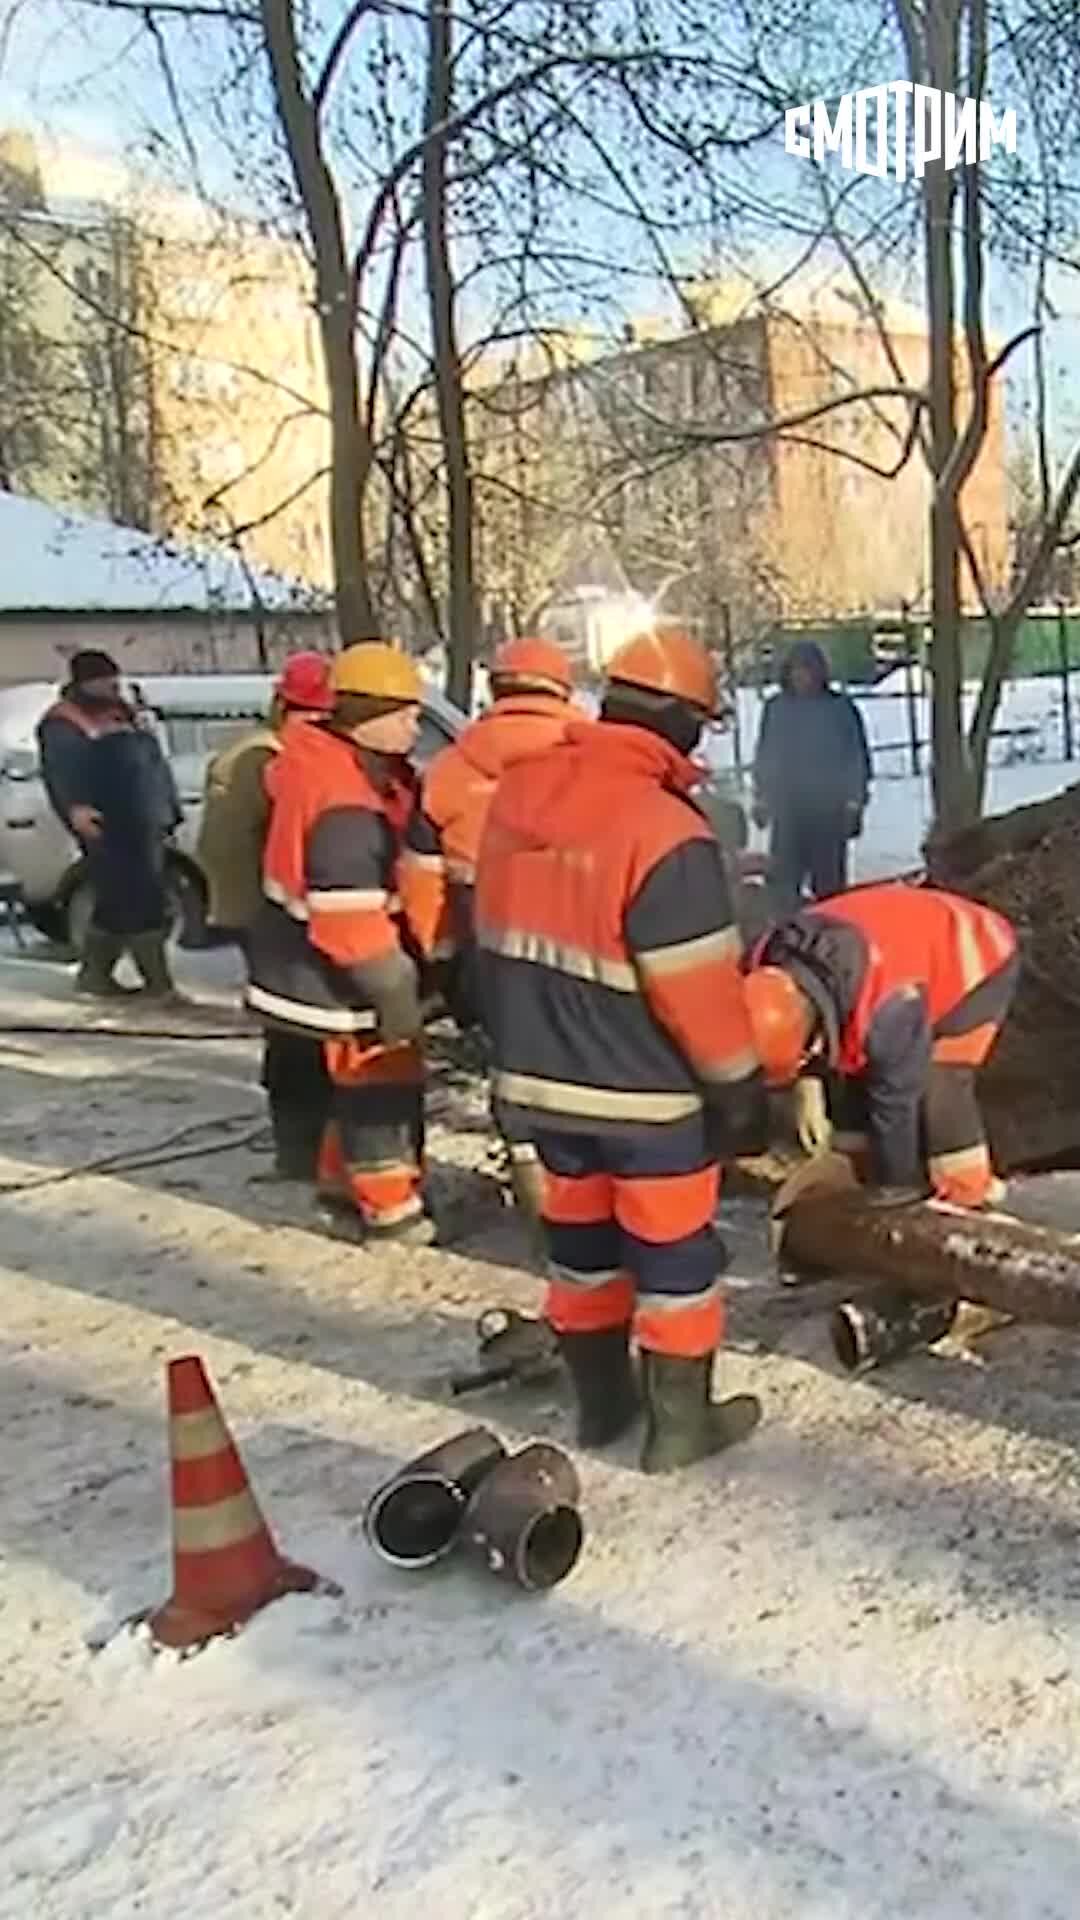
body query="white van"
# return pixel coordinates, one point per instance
(195, 715)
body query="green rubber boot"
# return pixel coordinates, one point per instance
(148, 952)
(599, 1366)
(101, 951)
(683, 1424)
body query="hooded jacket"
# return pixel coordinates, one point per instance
(608, 955)
(439, 864)
(812, 755)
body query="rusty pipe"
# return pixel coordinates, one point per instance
(825, 1224)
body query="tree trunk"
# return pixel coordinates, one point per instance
(953, 792)
(350, 446)
(447, 362)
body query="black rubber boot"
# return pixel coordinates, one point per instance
(683, 1424)
(297, 1137)
(148, 953)
(101, 951)
(599, 1366)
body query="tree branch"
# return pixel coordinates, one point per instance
(338, 45)
(178, 9)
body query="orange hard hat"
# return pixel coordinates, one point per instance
(670, 661)
(539, 662)
(305, 683)
(780, 1021)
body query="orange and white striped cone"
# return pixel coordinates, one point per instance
(225, 1564)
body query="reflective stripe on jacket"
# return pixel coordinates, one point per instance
(439, 863)
(329, 880)
(609, 955)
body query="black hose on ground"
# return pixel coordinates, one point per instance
(161, 1153)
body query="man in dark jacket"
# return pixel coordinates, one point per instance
(110, 784)
(812, 775)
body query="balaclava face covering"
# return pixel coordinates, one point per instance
(680, 724)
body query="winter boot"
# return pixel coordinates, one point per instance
(148, 952)
(683, 1424)
(101, 951)
(297, 1138)
(599, 1366)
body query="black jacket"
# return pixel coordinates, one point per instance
(812, 755)
(119, 769)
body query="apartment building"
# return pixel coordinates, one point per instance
(159, 364)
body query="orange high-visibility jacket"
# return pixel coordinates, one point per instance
(439, 864)
(609, 957)
(329, 880)
(887, 967)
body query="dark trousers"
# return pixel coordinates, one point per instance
(956, 1149)
(806, 847)
(628, 1222)
(128, 879)
(298, 1090)
(953, 1136)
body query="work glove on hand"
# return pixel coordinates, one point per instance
(812, 1124)
(759, 813)
(391, 986)
(853, 819)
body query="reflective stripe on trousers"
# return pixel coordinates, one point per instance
(372, 1150)
(630, 1236)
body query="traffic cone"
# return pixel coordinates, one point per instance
(225, 1564)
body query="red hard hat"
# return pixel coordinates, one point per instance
(305, 683)
(669, 661)
(540, 663)
(780, 1021)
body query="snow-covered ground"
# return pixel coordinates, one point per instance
(833, 1677)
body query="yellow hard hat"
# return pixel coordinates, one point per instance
(378, 670)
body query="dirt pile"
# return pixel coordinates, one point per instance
(1027, 864)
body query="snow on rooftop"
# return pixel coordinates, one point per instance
(53, 561)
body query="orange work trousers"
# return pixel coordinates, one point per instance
(373, 1147)
(629, 1227)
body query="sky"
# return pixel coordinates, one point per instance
(90, 78)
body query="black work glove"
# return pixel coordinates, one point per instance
(391, 985)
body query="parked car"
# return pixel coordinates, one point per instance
(194, 715)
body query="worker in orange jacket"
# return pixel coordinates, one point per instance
(329, 953)
(531, 685)
(898, 993)
(610, 967)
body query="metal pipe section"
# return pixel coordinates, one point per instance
(522, 1522)
(825, 1224)
(879, 1328)
(414, 1518)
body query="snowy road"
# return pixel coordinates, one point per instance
(836, 1677)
